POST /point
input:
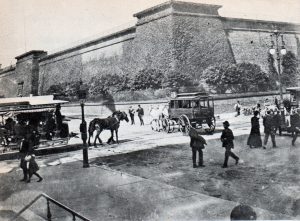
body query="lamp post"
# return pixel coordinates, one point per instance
(279, 50)
(83, 127)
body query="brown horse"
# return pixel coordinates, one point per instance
(111, 123)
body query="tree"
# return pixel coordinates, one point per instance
(147, 78)
(216, 77)
(289, 69)
(174, 79)
(237, 78)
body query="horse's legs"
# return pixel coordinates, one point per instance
(98, 136)
(117, 139)
(111, 137)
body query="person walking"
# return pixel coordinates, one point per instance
(237, 108)
(140, 112)
(227, 141)
(197, 144)
(131, 114)
(295, 125)
(32, 167)
(25, 149)
(277, 122)
(269, 130)
(254, 139)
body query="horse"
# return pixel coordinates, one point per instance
(111, 123)
(157, 116)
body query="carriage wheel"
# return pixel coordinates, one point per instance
(212, 125)
(184, 124)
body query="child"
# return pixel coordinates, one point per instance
(227, 140)
(32, 167)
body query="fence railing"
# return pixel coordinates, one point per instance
(49, 214)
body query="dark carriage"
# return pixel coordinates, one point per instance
(22, 114)
(191, 110)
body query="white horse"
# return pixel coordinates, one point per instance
(157, 115)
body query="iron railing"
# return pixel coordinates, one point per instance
(49, 215)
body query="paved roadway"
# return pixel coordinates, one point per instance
(111, 193)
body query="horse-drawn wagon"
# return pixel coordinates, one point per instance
(37, 115)
(186, 110)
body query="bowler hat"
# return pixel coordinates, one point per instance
(226, 123)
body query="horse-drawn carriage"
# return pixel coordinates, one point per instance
(186, 110)
(35, 115)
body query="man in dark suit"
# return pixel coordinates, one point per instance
(270, 127)
(140, 112)
(227, 140)
(295, 125)
(197, 144)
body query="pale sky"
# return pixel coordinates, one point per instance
(52, 25)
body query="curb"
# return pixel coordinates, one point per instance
(43, 151)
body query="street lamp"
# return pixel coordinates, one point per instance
(83, 127)
(279, 51)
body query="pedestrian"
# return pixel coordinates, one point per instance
(227, 140)
(237, 108)
(140, 112)
(277, 122)
(276, 103)
(59, 117)
(23, 152)
(131, 114)
(254, 139)
(295, 125)
(269, 130)
(32, 167)
(197, 144)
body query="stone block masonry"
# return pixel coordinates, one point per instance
(174, 36)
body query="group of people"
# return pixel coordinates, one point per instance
(198, 143)
(140, 113)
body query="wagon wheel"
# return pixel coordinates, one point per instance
(164, 124)
(184, 124)
(169, 126)
(212, 125)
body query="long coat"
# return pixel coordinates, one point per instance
(254, 138)
(227, 138)
(197, 141)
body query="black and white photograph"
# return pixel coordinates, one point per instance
(149, 110)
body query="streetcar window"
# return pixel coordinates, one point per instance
(172, 104)
(202, 103)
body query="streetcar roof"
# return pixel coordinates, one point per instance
(191, 96)
(28, 104)
(293, 89)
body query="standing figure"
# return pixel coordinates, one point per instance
(254, 139)
(32, 168)
(295, 125)
(269, 130)
(140, 112)
(276, 103)
(227, 140)
(23, 152)
(277, 122)
(131, 114)
(58, 117)
(197, 144)
(237, 108)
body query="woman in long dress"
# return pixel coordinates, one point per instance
(254, 139)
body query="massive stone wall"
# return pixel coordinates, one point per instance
(199, 43)
(9, 82)
(110, 54)
(180, 36)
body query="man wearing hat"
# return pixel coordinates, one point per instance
(227, 140)
(197, 144)
(295, 125)
(269, 128)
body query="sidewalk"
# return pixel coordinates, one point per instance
(100, 193)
